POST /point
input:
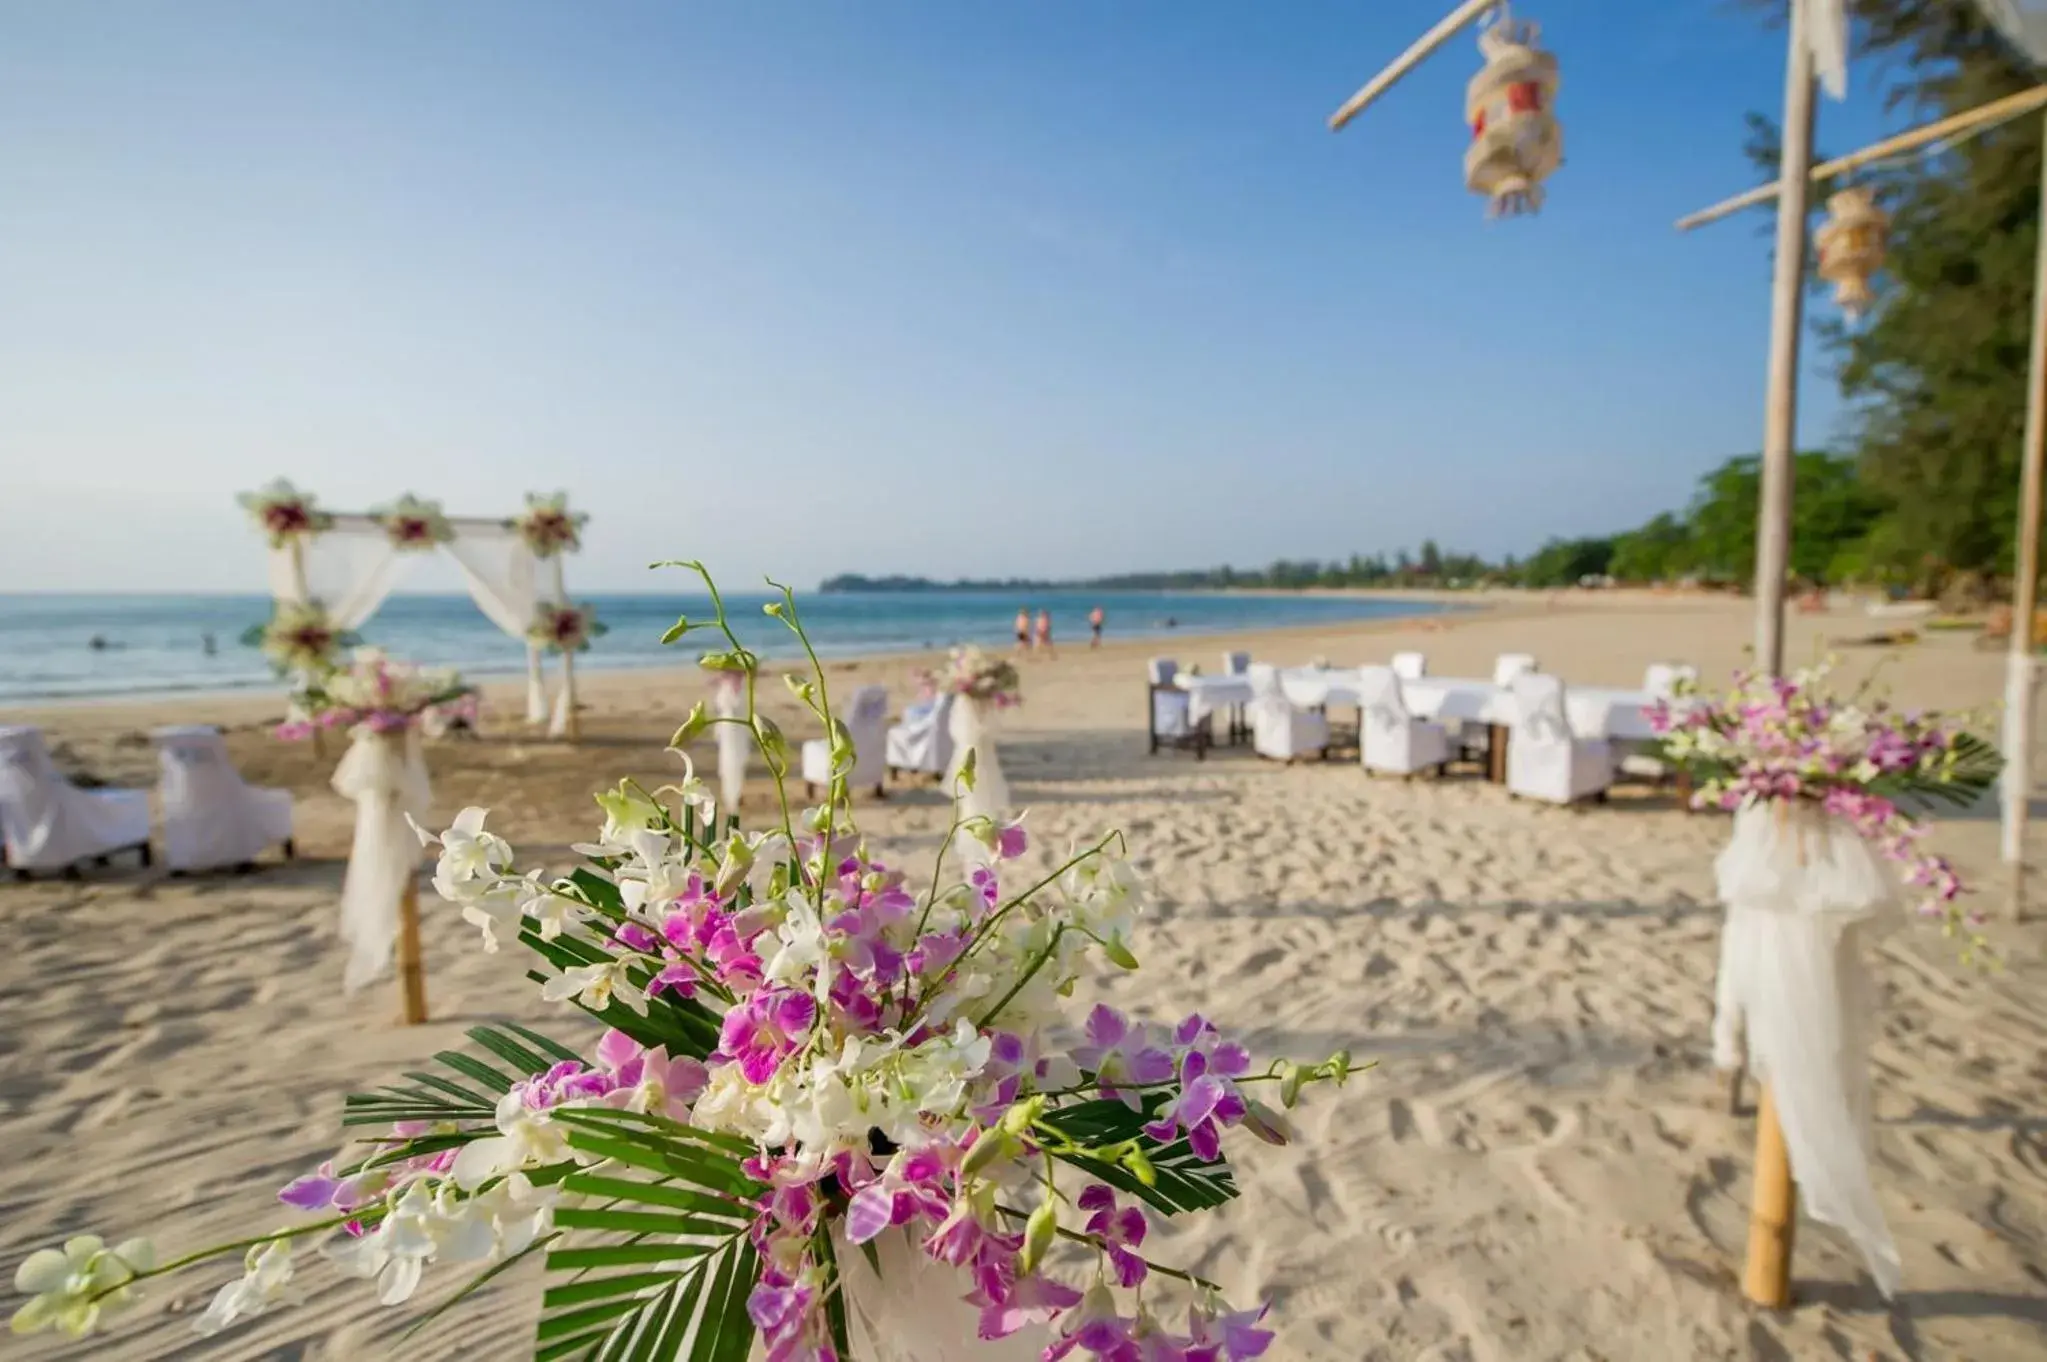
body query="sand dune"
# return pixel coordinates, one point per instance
(1540, 1166)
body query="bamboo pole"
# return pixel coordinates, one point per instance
(1458, 18)
(1767, 1280)
(411, 968)
(1773, 1221)
(1787, 315)
(561, 596)
(1985, 115)
(304, 593)
(2018, 689)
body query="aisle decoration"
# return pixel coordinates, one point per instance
(826, 1118)
(414, 525)
(386, 705)
(565, 628)
(299, 639)
(548, 527)
(980, 682)
(1827, 792)
(284, 513)
(733, 737)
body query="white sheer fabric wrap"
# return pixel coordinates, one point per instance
(385, 774)
(971, 731)
(913, 1312)
(1804, 894)
(735, 741)
(505, 585)
(350, 570)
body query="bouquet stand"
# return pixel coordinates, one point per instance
(1804, 894)
(970, 731)
(385, 775)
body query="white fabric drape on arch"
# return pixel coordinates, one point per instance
(505, 582)
(348, 570)
(971, 730)
(385, 775)
(1805, 895)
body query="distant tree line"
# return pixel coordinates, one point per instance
(1711, 541)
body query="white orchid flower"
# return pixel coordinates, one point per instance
(803, 945)
(693, 792)
(396, 1252)
(74, 1286)
(526, 1139)
(553, 912)
(592, 985)
(266, 1281)
(497, 913)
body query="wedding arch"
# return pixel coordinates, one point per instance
(343, 565)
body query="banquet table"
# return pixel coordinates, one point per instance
(1593, 711)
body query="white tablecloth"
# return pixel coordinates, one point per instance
(1595, 711)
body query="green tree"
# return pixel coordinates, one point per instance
(1831, 510)
(1657, 552)
(1937, 373)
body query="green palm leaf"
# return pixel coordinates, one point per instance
(1183, 1181)
(656, 1260)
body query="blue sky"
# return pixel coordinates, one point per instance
(803, 286)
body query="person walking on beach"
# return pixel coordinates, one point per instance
(1023, 630)
(1045, 633)
(1094, 624)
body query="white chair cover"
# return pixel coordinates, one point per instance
(1163, 671)
(1544, 760)
(924, 742)
(1236, 664)
(735, 742)
(1410, 666)
(1510, 665)
(971, 731)
(1393, 739)
(1804, 894)
(47, 823)
(1278, 730)
(385, 774)
(211, 816)
(866, 720)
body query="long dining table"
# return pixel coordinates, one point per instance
(1612, 712)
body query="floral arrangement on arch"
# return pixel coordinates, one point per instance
(380, 694)
(981, 675)
(565, 628)
(414, 525)
(548, 526)
(284, 513)
(807, 1057)
(299, 638)
(1791, 738)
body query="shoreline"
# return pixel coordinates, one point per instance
(588, 671)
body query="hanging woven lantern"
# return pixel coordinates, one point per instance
(1851, 246)
(1516, 141)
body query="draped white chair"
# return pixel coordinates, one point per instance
(1394, 739)
(1172, 721)
(866, 720)
(1507, 666)
(1278, 730)
(1236, 663)
(923, 743)
(1659, 682)
(1163, 671)
(1545, 760)
(1410, 666)
(47, 823)
(211, 816)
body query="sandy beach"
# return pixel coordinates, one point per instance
(1541, 1166)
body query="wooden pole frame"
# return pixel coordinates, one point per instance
(1447, 28)
(1971, 120)
(411, 961)
(2019, 667)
